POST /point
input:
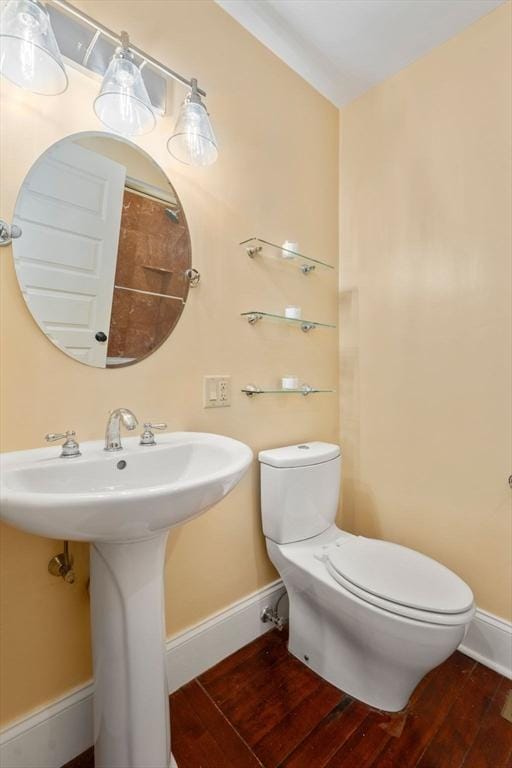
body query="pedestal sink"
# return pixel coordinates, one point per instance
(124, 503)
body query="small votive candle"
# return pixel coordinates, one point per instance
(289, 382)
(294, 313)
(289, 246)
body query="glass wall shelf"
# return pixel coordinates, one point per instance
(305, 325)
(251, 389)
(255, 246)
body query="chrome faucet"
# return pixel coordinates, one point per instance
(70, 447)
(113, 431)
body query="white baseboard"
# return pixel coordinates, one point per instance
(489, 641)
(190, 653)
(55, 734)
(51, 736)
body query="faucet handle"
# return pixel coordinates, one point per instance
(70, 446)
(147, 437)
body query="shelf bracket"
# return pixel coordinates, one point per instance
(250, 390)
(253, 319)
(307, 268)
(253, 251)
(307, 327)
(193, 276)
(8, 232)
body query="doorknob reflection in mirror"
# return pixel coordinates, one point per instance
(100, 336)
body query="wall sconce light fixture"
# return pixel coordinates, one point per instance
(123, 103)
(30, 58)
(193, 141)
(29, 54)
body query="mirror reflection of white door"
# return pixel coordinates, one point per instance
(69, 211)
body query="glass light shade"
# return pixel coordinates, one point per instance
(29, 54)
(193, 141)
(123, 103)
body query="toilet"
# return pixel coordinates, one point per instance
(369, 616)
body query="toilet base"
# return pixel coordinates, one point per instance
(373, 655)
(374, 664)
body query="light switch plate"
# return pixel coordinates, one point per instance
(217, 391)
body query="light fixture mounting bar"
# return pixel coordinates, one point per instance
(117, 38)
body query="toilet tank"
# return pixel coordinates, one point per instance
(300, 487)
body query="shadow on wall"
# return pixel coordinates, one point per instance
(227, 522)
(360, 515)
(349, 407)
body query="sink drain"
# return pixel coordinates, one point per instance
(121, 464)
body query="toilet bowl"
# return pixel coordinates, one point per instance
(369, 616)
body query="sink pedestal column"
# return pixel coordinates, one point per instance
(131, 700)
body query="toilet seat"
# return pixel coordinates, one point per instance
(399, 580)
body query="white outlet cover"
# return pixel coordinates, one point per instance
(216, 391)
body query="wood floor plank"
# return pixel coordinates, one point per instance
(85, 760)
(253, 673)
(492, 747)
(297, 724)
(454, 738)
(255, 710)
(268, 644)
(364, 745)
(235, 750)
(373, 734)
(329, 736)
(427, 714)
(193, 745)
(262, 708)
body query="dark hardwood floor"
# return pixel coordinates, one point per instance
(262, 707)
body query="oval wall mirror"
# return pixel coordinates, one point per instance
(103, 256)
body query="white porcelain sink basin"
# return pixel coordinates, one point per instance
(124, 502)
(90, 498)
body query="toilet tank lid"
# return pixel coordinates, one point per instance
(300, 455)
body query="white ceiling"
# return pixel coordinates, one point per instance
(344, 47)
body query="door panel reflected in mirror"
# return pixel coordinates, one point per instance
(104, 250)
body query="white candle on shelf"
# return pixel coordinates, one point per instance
(288, 246)
(289, 382)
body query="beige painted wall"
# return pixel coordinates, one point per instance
(277, 176)
(425, 308)
(425, 314)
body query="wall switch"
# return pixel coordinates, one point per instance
(217, 391)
